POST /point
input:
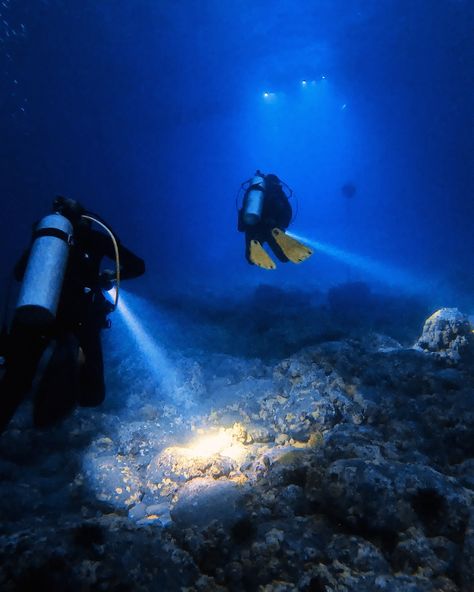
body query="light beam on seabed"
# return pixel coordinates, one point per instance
(383, 273)
(223, 442)
(154, 355)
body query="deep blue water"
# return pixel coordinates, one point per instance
(356, 464)
(153, 113)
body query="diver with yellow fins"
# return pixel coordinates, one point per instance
(264, 216)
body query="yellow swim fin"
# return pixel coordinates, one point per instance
(295, 251)
(258, 256)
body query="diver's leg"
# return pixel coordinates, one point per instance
(275, 247)
(91, 377)
(14, 387)
(24, 352)
(58, 388)
(294, 250)
(256, 254)
(248, 240)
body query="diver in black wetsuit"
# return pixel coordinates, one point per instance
(73, 374)
(265, 215)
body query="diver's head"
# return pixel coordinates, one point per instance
(69, 208)
(272, 180)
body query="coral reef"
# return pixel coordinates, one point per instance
(448, 334)
(343, 466)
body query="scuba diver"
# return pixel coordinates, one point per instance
(54, 341)
(264, 216)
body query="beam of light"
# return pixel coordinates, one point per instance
(222, 442)
(154, 355)
(381, 272)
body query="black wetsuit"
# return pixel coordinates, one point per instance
(73, 374)
(276, 213)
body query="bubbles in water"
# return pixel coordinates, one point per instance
(11, 33)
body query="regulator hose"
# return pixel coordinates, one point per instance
(116, 250)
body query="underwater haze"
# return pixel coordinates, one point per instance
(304, 428)
(154, 113)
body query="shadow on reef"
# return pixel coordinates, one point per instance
(38, 466)
(274, 322)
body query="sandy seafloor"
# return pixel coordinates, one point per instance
(274, 442)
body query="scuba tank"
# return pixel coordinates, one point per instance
(43, 279)
(253, 200)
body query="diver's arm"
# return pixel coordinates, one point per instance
(131, 265)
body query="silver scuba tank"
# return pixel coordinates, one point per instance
(43, 280)
(253, 201)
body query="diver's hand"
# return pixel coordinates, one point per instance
(107, 279)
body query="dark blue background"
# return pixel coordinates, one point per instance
(152, 114)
